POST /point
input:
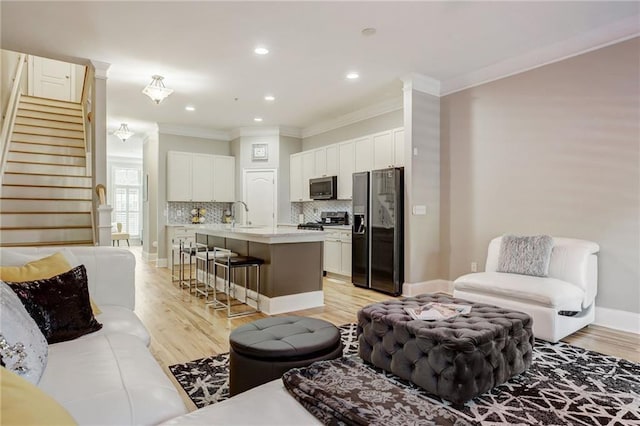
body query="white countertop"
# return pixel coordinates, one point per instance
(267, 235)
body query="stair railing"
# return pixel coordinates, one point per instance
(10, 115)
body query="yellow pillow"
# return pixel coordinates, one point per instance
(40, 269)
(23, 403)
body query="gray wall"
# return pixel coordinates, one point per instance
(167, 143)
(556, 151)
(150, 204)
(288, 146)
(376, 124)
(422, 186)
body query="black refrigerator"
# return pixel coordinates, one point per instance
(378, 230)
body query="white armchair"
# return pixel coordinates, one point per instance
(560, 304)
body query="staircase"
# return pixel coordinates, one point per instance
(45, 197)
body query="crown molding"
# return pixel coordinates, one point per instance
(255, 131)
(422, 83)
(371, 111)
(617, 32)
(101, 69)
(294, 132)
(172, 129)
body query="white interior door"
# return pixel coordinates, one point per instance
(52, 79)
(260, 195)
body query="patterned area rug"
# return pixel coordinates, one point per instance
(565, 385)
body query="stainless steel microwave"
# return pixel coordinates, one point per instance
(325, 188)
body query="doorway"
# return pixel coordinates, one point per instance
(260, 194)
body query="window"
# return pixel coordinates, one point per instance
(127, 198)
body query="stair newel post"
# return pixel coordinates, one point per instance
(104, 217)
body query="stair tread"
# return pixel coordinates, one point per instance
(47, 153)
(40, 100)
(41, 212)
(46, 199)
(49, 136)
(45, 186)
(43, 163)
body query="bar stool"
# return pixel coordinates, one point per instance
(230, 263)
(178, 244)
(204, 262)
(191, 251)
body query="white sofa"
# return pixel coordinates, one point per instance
(108, 377)
(571, 286)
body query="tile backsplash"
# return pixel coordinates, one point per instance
(181, 212)
(312, 209)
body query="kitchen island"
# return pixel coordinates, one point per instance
(291, 277)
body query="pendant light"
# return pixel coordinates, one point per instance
(156, 90)
(123, 132)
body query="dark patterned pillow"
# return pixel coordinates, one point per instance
(59, 305)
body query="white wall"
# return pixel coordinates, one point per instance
(556, 151)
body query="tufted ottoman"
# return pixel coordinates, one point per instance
(456, 359)
(265, 349)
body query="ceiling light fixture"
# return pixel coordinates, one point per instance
(190, 108)
(156, 90)
(269, 98)
(353, 75)
(123, 132)
(258, 119)
(261, 50)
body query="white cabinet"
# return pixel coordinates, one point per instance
(200, 177)
(363, 154)
(388, 149)
(346, 167)
(333, 255)
(332, 160)
(295, 177)
(179, 176)
(320, 162)
(337, 252)
(308, 172)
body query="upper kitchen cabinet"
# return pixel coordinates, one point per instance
(308, 172)
(346, 167)
(179, 177)
(326, 161)
(363, 151)
(388, 149)
(200, 177)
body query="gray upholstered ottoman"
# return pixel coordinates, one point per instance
(265, 349)
(456, 359)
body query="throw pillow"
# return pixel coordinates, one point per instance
(59, 305)
(15, 269)
(25, 404)
(525, 255)
(23, 348)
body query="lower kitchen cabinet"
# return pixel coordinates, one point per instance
(337, 252)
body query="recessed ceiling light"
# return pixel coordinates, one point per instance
(368, 31)
(353, 75)
(190, 108)
(257, 119)
(261, 50)
(269, 98)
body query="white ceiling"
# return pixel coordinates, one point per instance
(205, 51)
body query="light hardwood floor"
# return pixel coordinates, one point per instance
(183, 328)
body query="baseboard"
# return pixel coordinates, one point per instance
(432, 286)
(291, 303)
(161, 263)
(149, 257)
(618, 320)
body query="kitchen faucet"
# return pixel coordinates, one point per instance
(233, 212)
